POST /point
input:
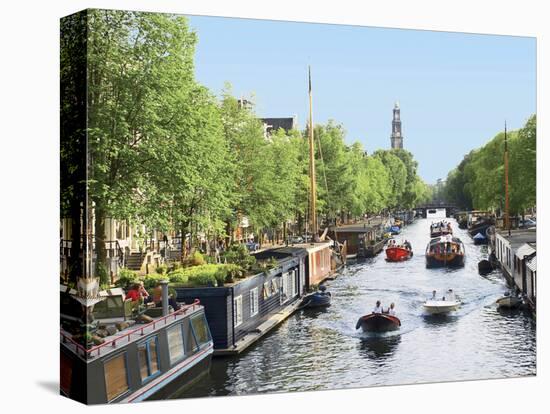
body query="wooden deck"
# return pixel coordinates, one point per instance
(263, 329)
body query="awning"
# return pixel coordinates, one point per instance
(525, 250)
(532, 264)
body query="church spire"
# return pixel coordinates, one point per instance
(396, 136)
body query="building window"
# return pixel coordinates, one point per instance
(116, 378)
(254, 308)
(238, 310)
(176, 346)
(148, 358)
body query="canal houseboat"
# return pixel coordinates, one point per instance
(479, 222)
(362, 240)
(135, 361)
(445, 251)
(241, 312)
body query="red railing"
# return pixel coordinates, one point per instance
(88, 352)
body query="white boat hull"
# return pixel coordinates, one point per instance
(441, 306)
(509, 302)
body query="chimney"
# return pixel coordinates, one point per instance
(164, 287)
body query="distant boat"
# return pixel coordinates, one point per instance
(446, 304)
(485, 267)
(440, 228)
(480, 239)
(394, 230)
(319, 299)
(509, 301)
(398, 253)
(445, 251)
(378, 322)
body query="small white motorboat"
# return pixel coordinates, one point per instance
(441, 306)
(509, 301)
(446, 304)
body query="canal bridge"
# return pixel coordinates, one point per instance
(433, 209)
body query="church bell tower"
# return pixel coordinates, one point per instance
(396, 136)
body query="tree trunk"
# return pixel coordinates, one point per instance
(75, 259)
(99, 247)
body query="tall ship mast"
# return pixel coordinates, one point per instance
(313, 195)
(506, 193)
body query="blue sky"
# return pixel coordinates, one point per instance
(455, 90)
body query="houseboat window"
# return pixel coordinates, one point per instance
(148, 358)
(190, 342)
(293, 283)
(289, 286)
(175, 343)
(66, 374)
(116, 378)
(200, 328)
(238, 310)
(266, 290)
(254, 302)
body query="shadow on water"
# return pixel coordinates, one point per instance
(440, 319)
(314, 312)
(379, 346)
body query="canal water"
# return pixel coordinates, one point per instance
(317, 350)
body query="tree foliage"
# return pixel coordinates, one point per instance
(478, 181)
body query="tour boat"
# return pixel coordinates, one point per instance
(398, 253)
(378, 322)
(318, 299)
(445, 251)
(137, 361)
(440, 229)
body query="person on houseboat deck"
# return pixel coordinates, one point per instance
(157, 298)
(138, 292)
(378, 307)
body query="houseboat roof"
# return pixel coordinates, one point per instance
(518, 237)
(355, 228)
(128, 335)
(526, 249)
(532, 264)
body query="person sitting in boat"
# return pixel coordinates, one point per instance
(391, 310)
(378, 307)
(433, 295)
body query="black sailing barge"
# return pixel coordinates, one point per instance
(140, 362)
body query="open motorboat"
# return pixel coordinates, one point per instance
(398, 253)
(509, 301)
(319, 299)
(378, 322)
(446, 304)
